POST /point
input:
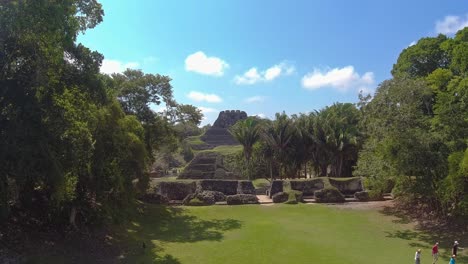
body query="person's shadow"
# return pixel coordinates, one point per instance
(430, 232)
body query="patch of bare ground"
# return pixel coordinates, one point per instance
(372, 205)
(265, 200)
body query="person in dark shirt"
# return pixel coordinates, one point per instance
(455, 248)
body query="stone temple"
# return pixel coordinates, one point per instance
(218, 134)
(209, 165)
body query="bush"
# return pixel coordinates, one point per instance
(329, 195)
(362, 196)
(218, 196)
(241, 199)
(207, 197)
(375, 195)
(280, 197)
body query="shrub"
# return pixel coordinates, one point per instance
(187, 153)
(375, 195)
(329, 195)
(280, 197)
(241, 199)
(362, 196)
(207, 197)
(219, 196)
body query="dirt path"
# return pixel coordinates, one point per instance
(364, 205)
(267, 201)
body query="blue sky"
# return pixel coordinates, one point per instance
(267, 56)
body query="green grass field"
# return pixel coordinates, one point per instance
(274, 234)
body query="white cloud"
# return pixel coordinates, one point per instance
(412, 43)
(451, 24)
(255, 99)
(206, 110)
(272, 73)
(261, 115)
(199, 97)
(115, 66)
(200, 63)
(342, 79)
(253, 76)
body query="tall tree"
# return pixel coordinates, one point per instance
(277, 135)
(247, 133)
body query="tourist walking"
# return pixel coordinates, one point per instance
(455, 248)
(417, 257)
(452, 259)
(435, 253)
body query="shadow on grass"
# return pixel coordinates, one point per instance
(157, 225)
(428, 232)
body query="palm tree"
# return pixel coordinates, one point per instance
(247, 133)
(278, 135)
(340, 135)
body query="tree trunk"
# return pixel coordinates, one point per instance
(248, 169)
(271, 169)
(323, 170)
(305, 170)
(73, 217)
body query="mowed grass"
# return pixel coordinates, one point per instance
(303, 233)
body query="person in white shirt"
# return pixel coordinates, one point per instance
(417, 257)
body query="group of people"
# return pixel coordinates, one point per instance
(435, 253)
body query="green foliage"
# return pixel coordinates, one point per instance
(422, 58)
(70, 137)
(187, 152)
(247, 133)
(416, 127)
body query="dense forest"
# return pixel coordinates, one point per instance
(76, 145)
(409, 138)
(73, 142)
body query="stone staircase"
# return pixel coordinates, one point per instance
(218, 136)
(206, 165)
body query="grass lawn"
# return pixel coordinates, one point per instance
(274, 234)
